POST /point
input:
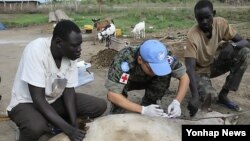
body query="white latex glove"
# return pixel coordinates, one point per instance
(152, 110)
(174, 109)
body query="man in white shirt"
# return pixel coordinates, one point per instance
(43, 96)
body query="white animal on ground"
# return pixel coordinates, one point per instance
(134, 127)
(139, 30)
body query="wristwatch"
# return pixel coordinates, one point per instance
(234, 45)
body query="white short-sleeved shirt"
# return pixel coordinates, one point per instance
(38, 68)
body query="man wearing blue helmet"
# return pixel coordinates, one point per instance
(149, 66)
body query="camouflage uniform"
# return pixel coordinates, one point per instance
(155, 87)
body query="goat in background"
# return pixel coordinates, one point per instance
(99, 26)
(107, 33)
(139, 30)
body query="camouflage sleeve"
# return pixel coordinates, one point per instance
(114, 75)
(178, 69)
(114, 86)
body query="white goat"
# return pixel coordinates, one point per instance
(139, 30)
(110, 30)
(107, 33)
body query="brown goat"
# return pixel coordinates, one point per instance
(99, 26)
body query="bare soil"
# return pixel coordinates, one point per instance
(103, 58)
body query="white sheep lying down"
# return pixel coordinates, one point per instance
(134, 127)
(139, 30)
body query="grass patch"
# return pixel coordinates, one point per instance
(235, 15)
(81, 20)
(24, 20)
(159, 18)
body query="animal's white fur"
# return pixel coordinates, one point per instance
(139, 30)
(106, 32)
(134, 127)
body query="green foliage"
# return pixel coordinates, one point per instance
(234, 14)
(23, 20)
(144, 1)
(159, 16)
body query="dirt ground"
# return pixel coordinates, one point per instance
(13, 41)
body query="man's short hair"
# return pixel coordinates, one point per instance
(202, 4)
(64, 28)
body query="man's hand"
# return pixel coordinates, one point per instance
(77, 135)
(193, 106)
(226, 52)
(152, 110)
(174, 109)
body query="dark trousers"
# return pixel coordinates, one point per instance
(236, 65)
(32, 124)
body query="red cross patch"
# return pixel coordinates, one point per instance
(124, 78)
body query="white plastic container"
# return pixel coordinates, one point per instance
(84, 76)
